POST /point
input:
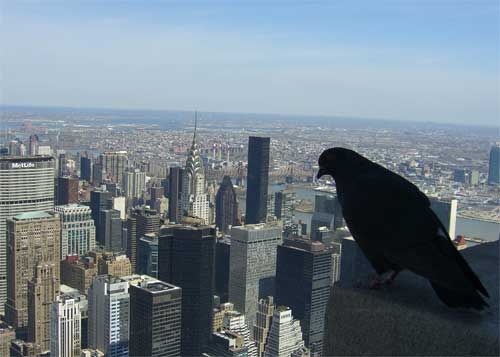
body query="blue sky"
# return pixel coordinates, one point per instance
(399, 59)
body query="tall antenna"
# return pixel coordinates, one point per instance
(195, 125)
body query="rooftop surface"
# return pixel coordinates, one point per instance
(33, 215)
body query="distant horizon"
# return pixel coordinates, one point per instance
(262, 114)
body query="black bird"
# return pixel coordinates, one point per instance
(393, 224)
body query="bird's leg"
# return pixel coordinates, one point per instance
(376, 282)
(390, 279)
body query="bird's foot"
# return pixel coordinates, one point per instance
(376, 283)
(390, 279)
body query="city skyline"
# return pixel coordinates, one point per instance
(393, 59)
(161, 187)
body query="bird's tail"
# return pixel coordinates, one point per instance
(456, 299)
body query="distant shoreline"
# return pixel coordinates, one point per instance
(477, 218)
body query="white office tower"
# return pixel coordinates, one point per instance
(66, 327)
(26, 184)
(77, 229)
(134, 183)
(285, 336)
(194, 200)
(252, 265)
(335, 267)
(446, 210)
(234, 321)
(108, 324)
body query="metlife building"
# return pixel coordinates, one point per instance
(26, 184)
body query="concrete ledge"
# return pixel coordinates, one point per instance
(407, 319)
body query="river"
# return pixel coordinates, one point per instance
(468, 227)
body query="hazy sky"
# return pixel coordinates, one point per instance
(406, 59)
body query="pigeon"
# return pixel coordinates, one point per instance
(393, 224)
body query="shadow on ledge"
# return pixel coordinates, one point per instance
(407, 318)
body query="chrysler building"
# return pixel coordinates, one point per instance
(194, 198)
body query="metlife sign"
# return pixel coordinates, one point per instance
(23, 165)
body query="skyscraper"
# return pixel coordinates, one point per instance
(111, 230)
(234, 321)
(194, 198)
(265, 311)
(33, 145)
(27, 184)
(222, 252)
(446, 210)
(67, 190)
(77, 229)
(141, 221)
(284, 203)
(148, 221)
(285, 336)
(83, 306)
(494, 166)
(109, 315)
(86, 168)
(98, 174)
(174, 194)
(134, 183)
(303, 278)
(324, 212)
(66, 327)
(114, 163)
(132, 241)
(252, 266)
(148, 255)
(257, 179)
(38, 233)
(155, 319)
(226, 206)
(187, 260)
(7, 334)
(98, 202)
(42, 291)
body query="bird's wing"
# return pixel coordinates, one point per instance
(398, 218)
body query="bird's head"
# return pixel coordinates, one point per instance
(339, 160)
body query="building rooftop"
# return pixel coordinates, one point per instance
(4, 327)
(33, 215)
(282, 308)
(157, 286)
(26, 158)
(304, 244)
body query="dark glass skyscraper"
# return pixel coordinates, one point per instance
(222, 253)
(174, 193)
(155, 319)
(86, 168)
(494, 167)
(303, 275)
(67, 190)
(257, 179)
(226, 206)
(99, 202)
(111, 230)
(187, 259)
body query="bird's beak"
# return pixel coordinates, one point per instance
(321, 172)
